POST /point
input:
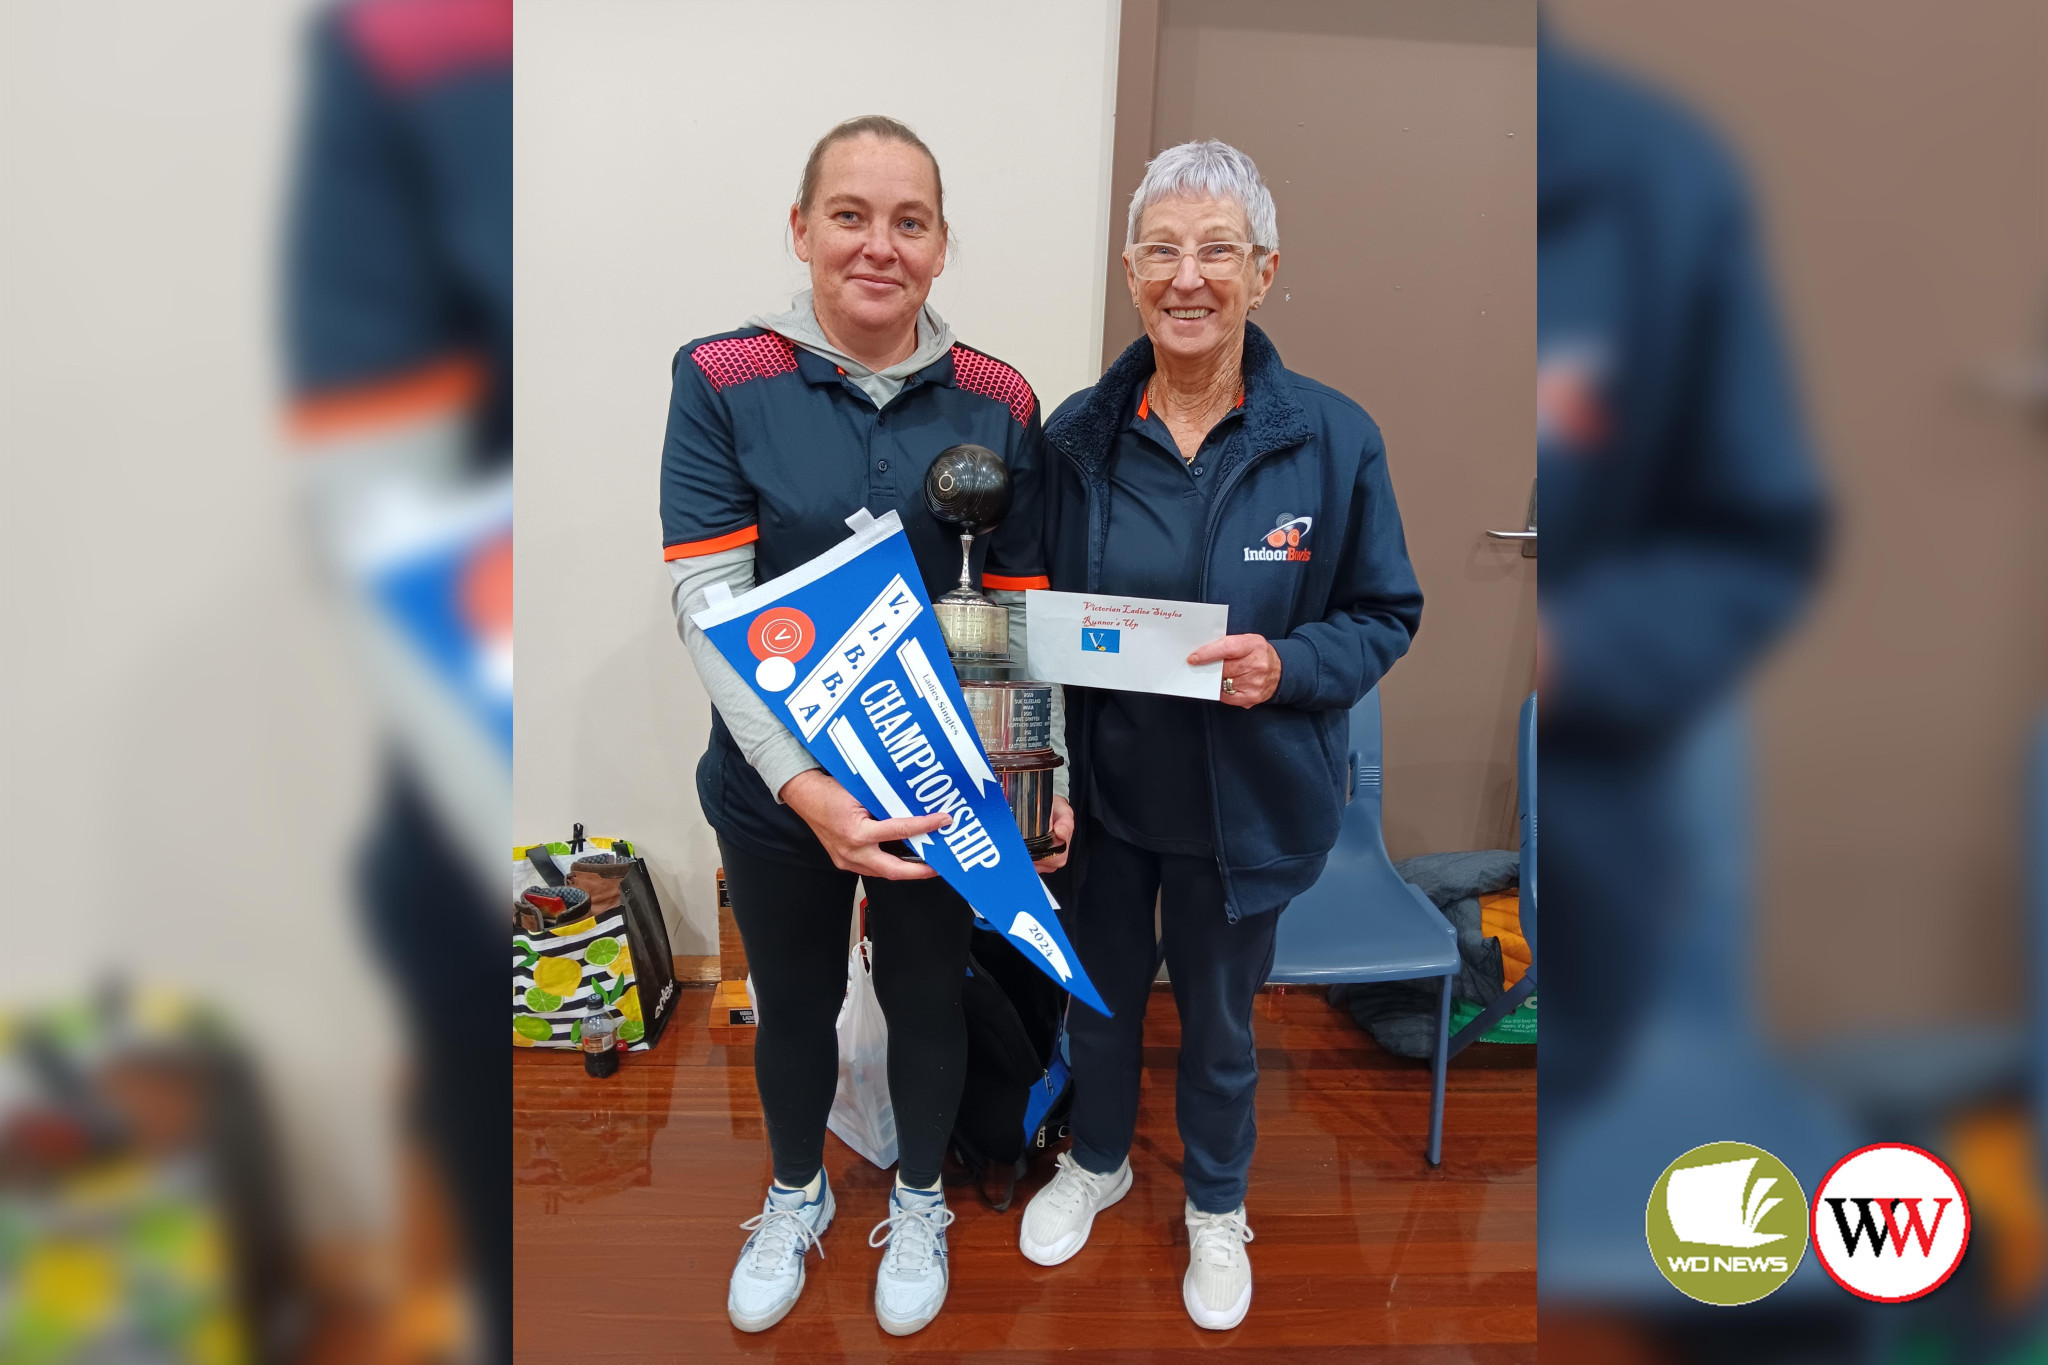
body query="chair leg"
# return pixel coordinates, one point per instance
(1510, 1000)
(1443, 1056)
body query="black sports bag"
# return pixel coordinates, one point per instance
(1014, 1104)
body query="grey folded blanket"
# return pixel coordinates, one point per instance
(1401, 1015)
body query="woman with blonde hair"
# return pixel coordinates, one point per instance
(777, 432)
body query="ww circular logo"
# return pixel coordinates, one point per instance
(1727, 1223)
(1890, 1222)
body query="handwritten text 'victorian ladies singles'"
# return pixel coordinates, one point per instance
(1135, 644)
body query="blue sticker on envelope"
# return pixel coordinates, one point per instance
(1100, 641)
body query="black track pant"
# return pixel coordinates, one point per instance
(794, 921)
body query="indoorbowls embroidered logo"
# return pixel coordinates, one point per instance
(1727, 1223)
(1283, 542)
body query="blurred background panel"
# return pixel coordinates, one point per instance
(192, 741)
(187, 755)
(1896, 155)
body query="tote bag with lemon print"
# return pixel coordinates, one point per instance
(615, 960)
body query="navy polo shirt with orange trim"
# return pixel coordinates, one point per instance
(1158, 520)
(771, 446)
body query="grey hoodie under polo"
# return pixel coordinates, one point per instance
(800, 325)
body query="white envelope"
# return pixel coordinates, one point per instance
(1136, 644)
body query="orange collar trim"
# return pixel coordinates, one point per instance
(1145, 401)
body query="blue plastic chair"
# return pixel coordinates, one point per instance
(1360, 921)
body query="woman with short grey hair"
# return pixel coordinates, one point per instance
(1208, 170)
(1199, 468)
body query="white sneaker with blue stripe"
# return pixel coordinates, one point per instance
(770, 1273)
(910, 1288)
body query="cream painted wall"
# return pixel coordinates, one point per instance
(659, 147)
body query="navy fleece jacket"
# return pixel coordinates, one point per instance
(1339, 602)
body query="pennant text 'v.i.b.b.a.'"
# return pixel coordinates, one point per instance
(846, 652)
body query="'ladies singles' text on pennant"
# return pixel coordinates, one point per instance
(881, 708)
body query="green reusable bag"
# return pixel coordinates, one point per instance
(1518, 1025)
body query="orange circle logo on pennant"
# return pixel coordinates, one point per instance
(781, 632)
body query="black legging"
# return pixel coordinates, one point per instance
(794, 921)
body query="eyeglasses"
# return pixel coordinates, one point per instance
(1215, 260)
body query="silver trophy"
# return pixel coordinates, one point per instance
(968, 486)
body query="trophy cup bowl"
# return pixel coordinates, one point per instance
(968, 486)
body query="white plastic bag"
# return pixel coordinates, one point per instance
(861, 1113)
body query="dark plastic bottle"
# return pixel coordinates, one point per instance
(600, 1045)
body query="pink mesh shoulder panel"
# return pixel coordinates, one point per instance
(411, 42)
(738, 359)
(991, 378)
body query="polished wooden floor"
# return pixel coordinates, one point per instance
(629, 1195)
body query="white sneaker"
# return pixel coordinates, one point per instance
(1218, 1286)
(770, 1273)
(910, 1288)
(1058, 1218)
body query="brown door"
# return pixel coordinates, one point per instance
(1400, 145)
